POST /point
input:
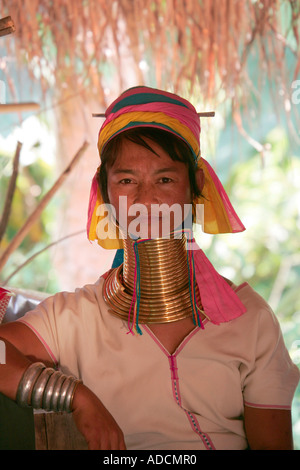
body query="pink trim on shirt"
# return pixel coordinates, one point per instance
(188, 337)
(156, 340)
(264, 406)
(244, 284)
(181, 345)
(196, 427)
(175, 383)
(191, 416)
(175, 379)
(41, 340)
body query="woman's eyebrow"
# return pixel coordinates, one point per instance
(168, 169)
(132, 171)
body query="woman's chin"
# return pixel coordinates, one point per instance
(149, 229)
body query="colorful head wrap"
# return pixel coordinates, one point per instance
(148, 107)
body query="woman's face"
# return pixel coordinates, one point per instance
(140, 182)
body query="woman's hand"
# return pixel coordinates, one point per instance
(94, 421)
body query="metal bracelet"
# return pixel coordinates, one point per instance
(27, 382)
(51, 387)
(44, 388)
(63, 393)
(40, 387)
(56, 393)
(64, 390)
(70, 394)
(66, 394)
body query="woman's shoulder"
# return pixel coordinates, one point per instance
(63, 301)
(257, 308)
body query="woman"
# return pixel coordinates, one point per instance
(165, 353)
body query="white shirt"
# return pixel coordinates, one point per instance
(192, 399)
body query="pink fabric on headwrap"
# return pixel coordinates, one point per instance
(186, 117)
(234, 221)
(5, 296)
(92, 200)
(143, 90)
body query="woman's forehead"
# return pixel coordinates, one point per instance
(132, 155)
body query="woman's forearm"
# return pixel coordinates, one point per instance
(12, 370)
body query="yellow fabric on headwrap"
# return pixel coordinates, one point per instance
(215, 216)
(155, 119)
(101, 227)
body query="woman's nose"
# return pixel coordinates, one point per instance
(146, 193)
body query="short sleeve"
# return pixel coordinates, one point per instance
(272, 380)
(65, 322)
(42, 321)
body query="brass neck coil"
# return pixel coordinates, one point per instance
(164, 281)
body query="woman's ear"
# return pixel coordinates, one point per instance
(200, 179)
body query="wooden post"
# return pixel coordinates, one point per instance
(57, 431)
(6, 26)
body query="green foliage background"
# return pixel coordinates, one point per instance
(32, 182)
(266, 195)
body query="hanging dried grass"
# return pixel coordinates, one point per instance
(188, 44)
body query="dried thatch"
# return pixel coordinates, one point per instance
(201, 48)
(187, 45)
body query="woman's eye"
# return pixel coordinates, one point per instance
(165, 179)
(125, 181)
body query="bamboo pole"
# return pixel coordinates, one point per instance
(19, 237)
(31, 258)
(19, 107)
(10, 191)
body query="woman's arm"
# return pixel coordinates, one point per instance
(22, 347)
(91, 417)
(94, 421)
(268, 429)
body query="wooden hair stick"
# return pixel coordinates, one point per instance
(203, 114)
